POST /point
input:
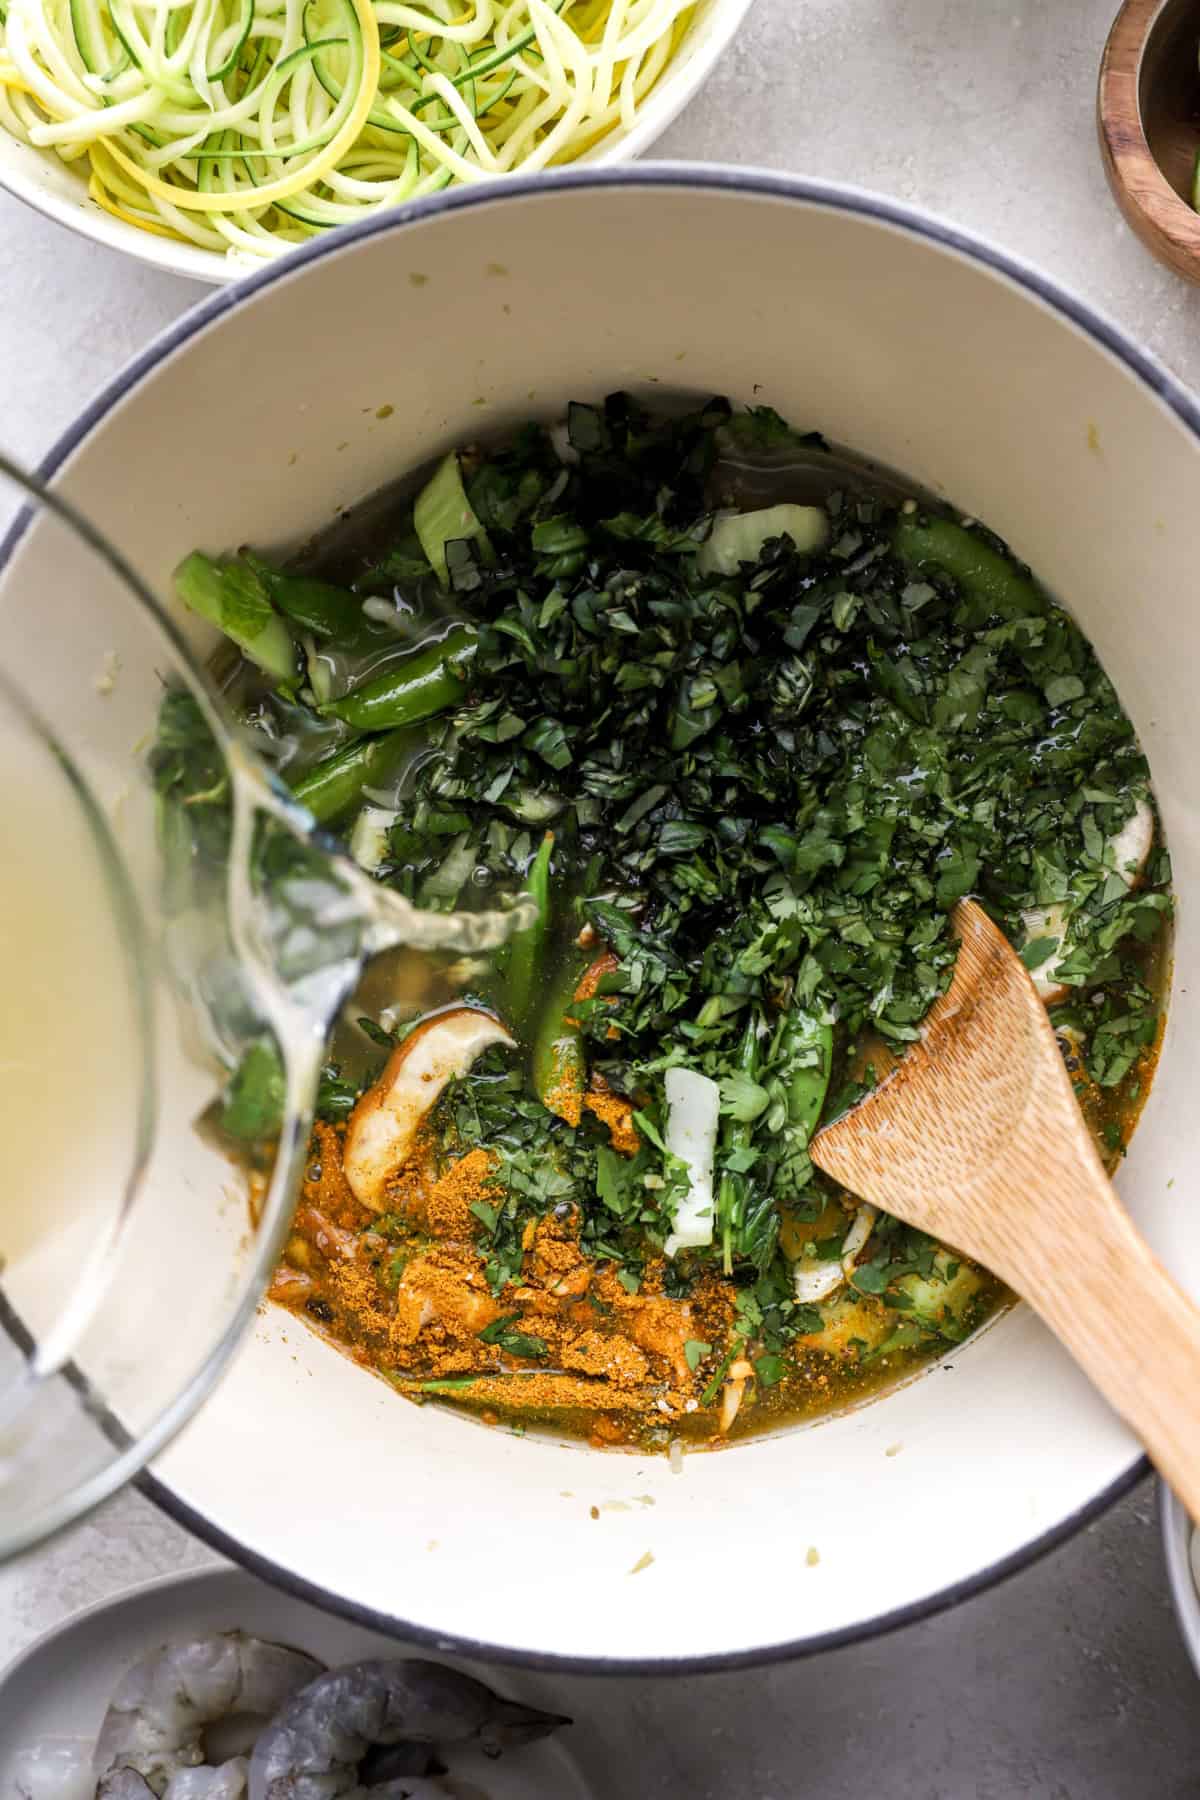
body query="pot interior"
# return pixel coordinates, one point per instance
(259, 420)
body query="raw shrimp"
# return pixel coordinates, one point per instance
(203, 1781)
(314, 1748)
(125, 1784)
(206, 1781)
(54, 1769)
(154, 1729)
(228, 1782)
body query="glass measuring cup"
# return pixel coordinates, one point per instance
(171, 931)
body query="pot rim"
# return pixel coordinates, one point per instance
(765, 184)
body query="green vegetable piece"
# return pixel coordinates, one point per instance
(769, 1370)
(738, 538)
(317, 606)
(443, 515)
(332, 786)
(737, 1135)
(982, 573)
(427, 682)
(807, 1044)
(336, 1097)
(233, 598)
(86, 30)
(254, 1100)
(714, 1387)
(559, 1061)
(516, 1343)
(527, 951)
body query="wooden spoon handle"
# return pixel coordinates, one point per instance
(1127, 1324)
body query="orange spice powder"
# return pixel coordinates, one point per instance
(447, 1206)
(616, 1112)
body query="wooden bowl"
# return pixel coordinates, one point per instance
(1148, 111)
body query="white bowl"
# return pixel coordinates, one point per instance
(46, 183)
(59, 1687)
(937, 355)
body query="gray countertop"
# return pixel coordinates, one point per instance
(1069, 1681)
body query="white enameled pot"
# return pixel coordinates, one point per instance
(272, 406)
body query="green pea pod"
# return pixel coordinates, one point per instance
(317, 606)
(332, 786)
(737, 1135)
(427, 682)
(527, 951)
(985, 575)
(559, 1059)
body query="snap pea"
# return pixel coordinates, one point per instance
(527, 951)
(332, 786)
(425, 683)
(559, 1062)
(737, 1135)
(985, 575)
(317, 606)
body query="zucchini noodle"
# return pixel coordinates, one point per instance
(246, 126)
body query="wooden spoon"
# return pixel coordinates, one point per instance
(978, 1139)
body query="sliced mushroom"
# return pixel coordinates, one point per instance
(1047, 922)
(814, 1284)
(384, 1125)
(1129, 849)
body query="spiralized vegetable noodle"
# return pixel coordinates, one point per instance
(245, 126)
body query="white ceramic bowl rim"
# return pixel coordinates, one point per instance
(1038, 287)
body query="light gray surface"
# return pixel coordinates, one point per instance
(1069, 1682)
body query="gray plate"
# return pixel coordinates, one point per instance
(60, 1687)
